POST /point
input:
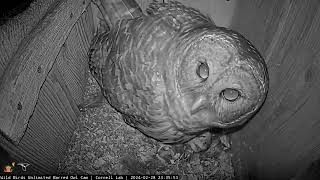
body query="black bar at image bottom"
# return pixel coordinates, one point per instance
(88, 177)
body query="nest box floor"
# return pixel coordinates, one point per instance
(103, 144)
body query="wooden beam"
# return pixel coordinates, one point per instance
(73, 59)
(28, 69)
(15, 29)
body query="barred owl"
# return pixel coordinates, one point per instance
(174, 75)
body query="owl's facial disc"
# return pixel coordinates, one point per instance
(218, 87)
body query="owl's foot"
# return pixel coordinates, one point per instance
(169, 154)
(95, 101)
(200, 143)
(166, 154)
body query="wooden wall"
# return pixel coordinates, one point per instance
(15, 30)
(46, 76)
(284, 136)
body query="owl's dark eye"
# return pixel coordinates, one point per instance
(230, 94)
(203, 70)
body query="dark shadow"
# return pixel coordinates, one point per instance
(10, 9)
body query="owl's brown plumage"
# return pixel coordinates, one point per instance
(173, 74)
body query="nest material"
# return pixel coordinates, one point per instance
(104, 144)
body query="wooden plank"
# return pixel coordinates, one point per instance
(50, 128)
(54, 121)
(73, 60)
(17, 154)
(284, 136)
(15, 30)
(21, 82)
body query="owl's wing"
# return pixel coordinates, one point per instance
(114, 10)
(98, 53)
(187, 17)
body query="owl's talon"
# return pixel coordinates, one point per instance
(200, 143)
(165, 153)
(225, 140)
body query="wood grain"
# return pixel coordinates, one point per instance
(284, 136)
(73, 60)
(17, 28)
(24, 76)
(49, 129)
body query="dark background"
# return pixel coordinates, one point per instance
(10, 8)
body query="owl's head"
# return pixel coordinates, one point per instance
(220, 79)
